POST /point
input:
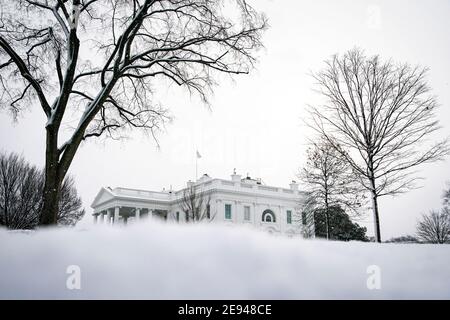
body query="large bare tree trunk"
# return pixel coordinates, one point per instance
(52, 184)
(50, 199)
(327, 217)
(376, 217)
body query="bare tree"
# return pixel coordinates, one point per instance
(305, 215)
(70, 209)
(20, 198)
(446, 197)
(21, 187)
(383, 113)
(330, 181)
(435, 227)
(93, 63)
(196, 204)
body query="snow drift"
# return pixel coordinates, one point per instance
(165, 261)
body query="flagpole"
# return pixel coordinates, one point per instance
(197, 156)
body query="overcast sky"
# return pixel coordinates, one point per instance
(255, 123)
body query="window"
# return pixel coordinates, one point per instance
(208, 211)
(304, 218)
(187, 215)
(268, 216)
(178, 216)
(246, 213)
(289, 217)
(228, 211)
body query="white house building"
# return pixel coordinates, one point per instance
(235, 201)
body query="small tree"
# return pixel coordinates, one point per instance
(70, 205)
(338, 227)
(329, 180)
(403, 239)
(21, 187)
(196, 204)
(435, 227)
(383, 113)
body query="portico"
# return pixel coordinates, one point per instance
(123, 215)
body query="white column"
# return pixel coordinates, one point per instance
(116, 215)
(102, 217)
(138, 214)
(150, 213)
(219, 213)
(282, 220)
(253, 214)
(95, 218)
(108, 216)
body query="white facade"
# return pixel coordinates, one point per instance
(235, 201)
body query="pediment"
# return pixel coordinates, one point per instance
(102, 196)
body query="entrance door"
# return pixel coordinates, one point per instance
(160, 214)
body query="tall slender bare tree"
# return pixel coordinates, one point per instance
(304, 216)
(329, 180)
(446, 197)
(196, 204)
(383, 113)
(95, 61)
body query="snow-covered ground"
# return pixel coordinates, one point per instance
(161, 261)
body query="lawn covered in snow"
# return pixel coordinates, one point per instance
(166, 261)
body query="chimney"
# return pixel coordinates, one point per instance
(203, 178)
(294, 185)
(235, 177)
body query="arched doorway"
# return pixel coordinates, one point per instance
(268, 216)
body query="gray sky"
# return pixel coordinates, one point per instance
(255, 122)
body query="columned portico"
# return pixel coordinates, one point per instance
(118, 214)
(232, 201)
(99, 217)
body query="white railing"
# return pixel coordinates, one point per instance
(266, 188)
(209, 184)
(142, 193)
(227, 183)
